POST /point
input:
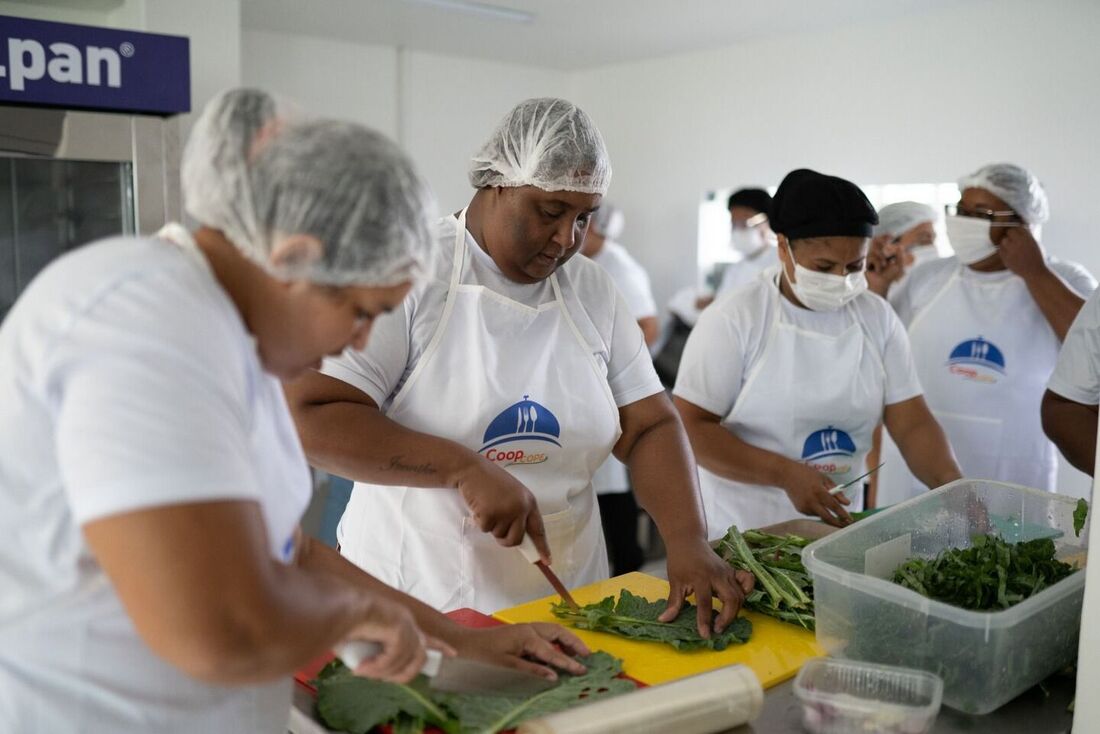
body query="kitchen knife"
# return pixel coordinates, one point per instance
(527, 548)
(837, 490)
(456, 675)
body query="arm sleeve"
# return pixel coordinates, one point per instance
(713, 364)
(1078, 278)
(378, 369)
(637, 294)
(902, 382)
(630, 370)
(1077, 373)
(152, 405)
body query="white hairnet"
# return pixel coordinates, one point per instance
(214, 166)
(547, 143)
(355, 191)
(897, 219)
(257, 175)
(609, 221)
(1017, 186)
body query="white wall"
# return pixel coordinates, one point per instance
(326, 77)
(440, 108)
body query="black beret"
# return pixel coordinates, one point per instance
(812, 204)
(758, 200)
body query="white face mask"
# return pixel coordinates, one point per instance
(747, 240)
(824, 291)
(969, 237)
(923, 253)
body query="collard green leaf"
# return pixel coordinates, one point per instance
(1080, 514)
(991, 574)
(783, 587)
(490, 714)
(636, 617)
(351, 703)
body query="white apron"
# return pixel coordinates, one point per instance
(810, 397)
(984, 353)
(521, 386)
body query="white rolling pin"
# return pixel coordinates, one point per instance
(702, 704)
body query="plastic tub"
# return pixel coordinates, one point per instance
(845, 697)
(985, 658)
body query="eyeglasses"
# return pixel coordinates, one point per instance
(754, 221)
(955, 210)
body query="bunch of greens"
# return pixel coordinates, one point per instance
(991, 574)
(636, 617)
(1080, 513)
(783, 588)
(350, 703)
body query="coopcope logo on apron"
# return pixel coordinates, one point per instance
(978, 360)
(522, 433)
(829, 451)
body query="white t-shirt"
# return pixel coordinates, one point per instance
(629, 277)
(1077, 373)
(633, 283)
(926, 281)
(128, 381)
(733, 332)
(746, 270)
(398, 339)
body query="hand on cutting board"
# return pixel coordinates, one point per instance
(808, 490)
(524, 647)
(697, 569)
(502, 505)
(404, 646)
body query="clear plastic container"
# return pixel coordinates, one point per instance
(845, 697)
(985, 658)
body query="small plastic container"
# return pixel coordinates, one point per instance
(984, 658)
(847, 697)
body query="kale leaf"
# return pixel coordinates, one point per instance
(636, 617)
(991, 574)
(350, 703)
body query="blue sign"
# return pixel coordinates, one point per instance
(82, 67)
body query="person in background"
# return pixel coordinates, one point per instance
(154, 577)
(1069, 408)
(986, 326)
(903, 239)
(481, 409)
(784, 380)
(618, 508)
(753, 243)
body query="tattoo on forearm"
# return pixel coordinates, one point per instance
(397, 463)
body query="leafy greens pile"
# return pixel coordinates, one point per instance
(350, 703)
(783, 588)
(991, 574)
(636, 617)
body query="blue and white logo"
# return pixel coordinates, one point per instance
(829, 450)
(522, 422)
(84, 67)
(978, 360)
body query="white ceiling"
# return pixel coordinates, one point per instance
(568, 34)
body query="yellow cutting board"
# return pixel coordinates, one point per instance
(775, 652)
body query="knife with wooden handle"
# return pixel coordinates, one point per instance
(527, 548)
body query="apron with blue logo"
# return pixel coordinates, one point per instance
(521, 386)
(984, 353)
(810, 397)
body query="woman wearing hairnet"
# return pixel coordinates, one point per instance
(987, 324)
(904, 238)
(784, 380)
(151, 485)
(481, 409)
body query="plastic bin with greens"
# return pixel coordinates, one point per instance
(985, 658)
